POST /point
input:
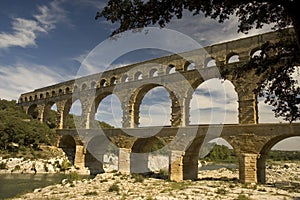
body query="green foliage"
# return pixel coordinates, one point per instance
(133, 14)
(73, 176)
(138, 178)
(114, 188)
(18, 131)
(91, 193)
(3, 165)
(243, 197)
(284, 155)
(221, 153)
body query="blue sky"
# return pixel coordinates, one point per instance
(44, 42)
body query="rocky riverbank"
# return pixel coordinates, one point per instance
(283, 183)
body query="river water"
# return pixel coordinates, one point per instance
(15, 184)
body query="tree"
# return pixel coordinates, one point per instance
(132, 14)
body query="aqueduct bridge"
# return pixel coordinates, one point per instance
(251, 141)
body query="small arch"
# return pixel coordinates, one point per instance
(26, 99)
(171, 69)
(41, 95)
(68, 145)
(75, 88)
(103, 83)
(113, 80)
(125, 78)
(33, 111)
(67, 90)
(93, 85)
(189, 65)
(21, 100)
(210, 62)
(53, 93)
(153, 72)
(256, 54)
(233, 58)
(30, 98)
(35, 97)
(83, 87)
(60, 91)
(138, 76)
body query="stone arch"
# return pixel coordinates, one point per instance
(189, 65)
(210, 62)
(41, 96)
(136, 101)
(261, 161)
(125, 78)
(67, 90)
(60, 92)
(113, 80)
(83, 86)
(33, 111)
(255, 52)
(71, 111)
(171, 69)
(153, 72)
(141, 151)
(110, 112)
(53, 93)
(103, 83)
(213, 101)
(35, 97)
(75, 88)
(30, 98)
(68, 145)
(93, 85)
(48, 116)
(232, 57)
(138, 76)
(96, 148)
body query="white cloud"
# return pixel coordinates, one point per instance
(22, 78)
(25, 32)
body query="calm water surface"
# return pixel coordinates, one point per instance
(14, 184)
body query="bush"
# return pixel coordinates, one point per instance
(114, 188)
(138, 178)
(73, 176)
(3, 165)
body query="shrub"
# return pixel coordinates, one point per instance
(114, 188)
(138, 178)
(3, 165)
(93, 193)
(73, 176)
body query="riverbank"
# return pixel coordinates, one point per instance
(283, 183)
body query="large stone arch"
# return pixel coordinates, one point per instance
(137, 97)
(68, 145)
(261, 161)
(95, 105)
(46, 113)
(66, 109)
(141, 150)
(33, 111)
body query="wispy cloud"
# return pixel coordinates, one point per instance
(25, 32)
(21, 78)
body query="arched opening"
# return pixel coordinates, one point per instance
(93, 85)
(60, 91)
(171, 69)
(41, 96)
(73, 118)
(155, 108)
(75, 88)
(67, 90)
(214, 101)
(30, 98)
(190, 65)
(108, 111)
(68, 145)
(33, 111)
(278, 160)
(83, 87)
(51, 117)
(138, 76)
(26, 99)
(153, 73)
(35, 97)
(233, 59)
(113, 81)
(216, 154)
(103, 83)
(125, 78)
(53, 93)
(96, 149)
(210, 62)
(147, 156)
(256, 54)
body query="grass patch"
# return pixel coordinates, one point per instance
(91, 193)
(114, 188)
